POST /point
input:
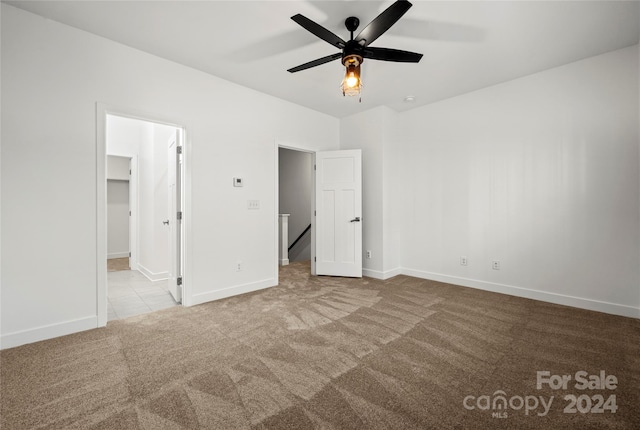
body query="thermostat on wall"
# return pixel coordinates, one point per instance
(237, 182)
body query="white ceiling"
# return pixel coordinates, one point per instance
(466, 45)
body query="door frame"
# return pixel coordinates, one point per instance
(176, 263)
(102, 110)
(299, 148)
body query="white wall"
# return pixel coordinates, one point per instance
(373, 132)
(118, 168)
(123, 136)
(392, 188)
(295, 181)
(366, 131)
(540, 173)
(52, 76)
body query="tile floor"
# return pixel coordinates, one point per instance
(130, 293)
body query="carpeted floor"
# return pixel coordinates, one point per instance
(332, 353)
(118, 264)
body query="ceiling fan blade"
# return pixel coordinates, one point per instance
(315, 63)
(386, 54)
(319, 31)
(383, 22)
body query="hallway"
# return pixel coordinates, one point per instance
(130, 293)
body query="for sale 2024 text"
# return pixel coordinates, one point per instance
(582, 380)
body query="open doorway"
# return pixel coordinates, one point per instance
(335, 215)
(295, 195)
(143, 235)
(338, 213)
(119, 210)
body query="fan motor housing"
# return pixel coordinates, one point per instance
(352, 48)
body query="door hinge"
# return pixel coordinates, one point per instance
(129, 213)
(129, 172)
(179, 149)
(314, 167)
(179, 214)
(179, 280)
(129, 254)
(314, 213)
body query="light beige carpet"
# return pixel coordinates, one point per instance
(118, 264)
(330, 353)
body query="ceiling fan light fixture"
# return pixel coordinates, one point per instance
(356, 49)
(352, 84)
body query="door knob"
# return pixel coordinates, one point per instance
(165, 222)
(356, 219)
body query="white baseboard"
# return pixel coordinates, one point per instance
(151, 275)
(117, 255)
(376, 274)
(24, 337)
(210, 296)
(544, 296)
(284, 262)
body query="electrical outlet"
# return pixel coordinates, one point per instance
(239, 266)
(368, 254)
(464, 261)
(495, 264)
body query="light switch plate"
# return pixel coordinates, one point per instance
(253, 204)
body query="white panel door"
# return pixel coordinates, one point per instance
(175, 222)
(339, 213)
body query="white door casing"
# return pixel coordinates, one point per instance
(132, 229)
(134, 185)
(338, 186)
(175, 221)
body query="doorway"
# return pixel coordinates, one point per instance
(335, 225)
(119, 211)
(295, 195)
(151, 235)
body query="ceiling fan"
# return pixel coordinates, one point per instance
(355, 50)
